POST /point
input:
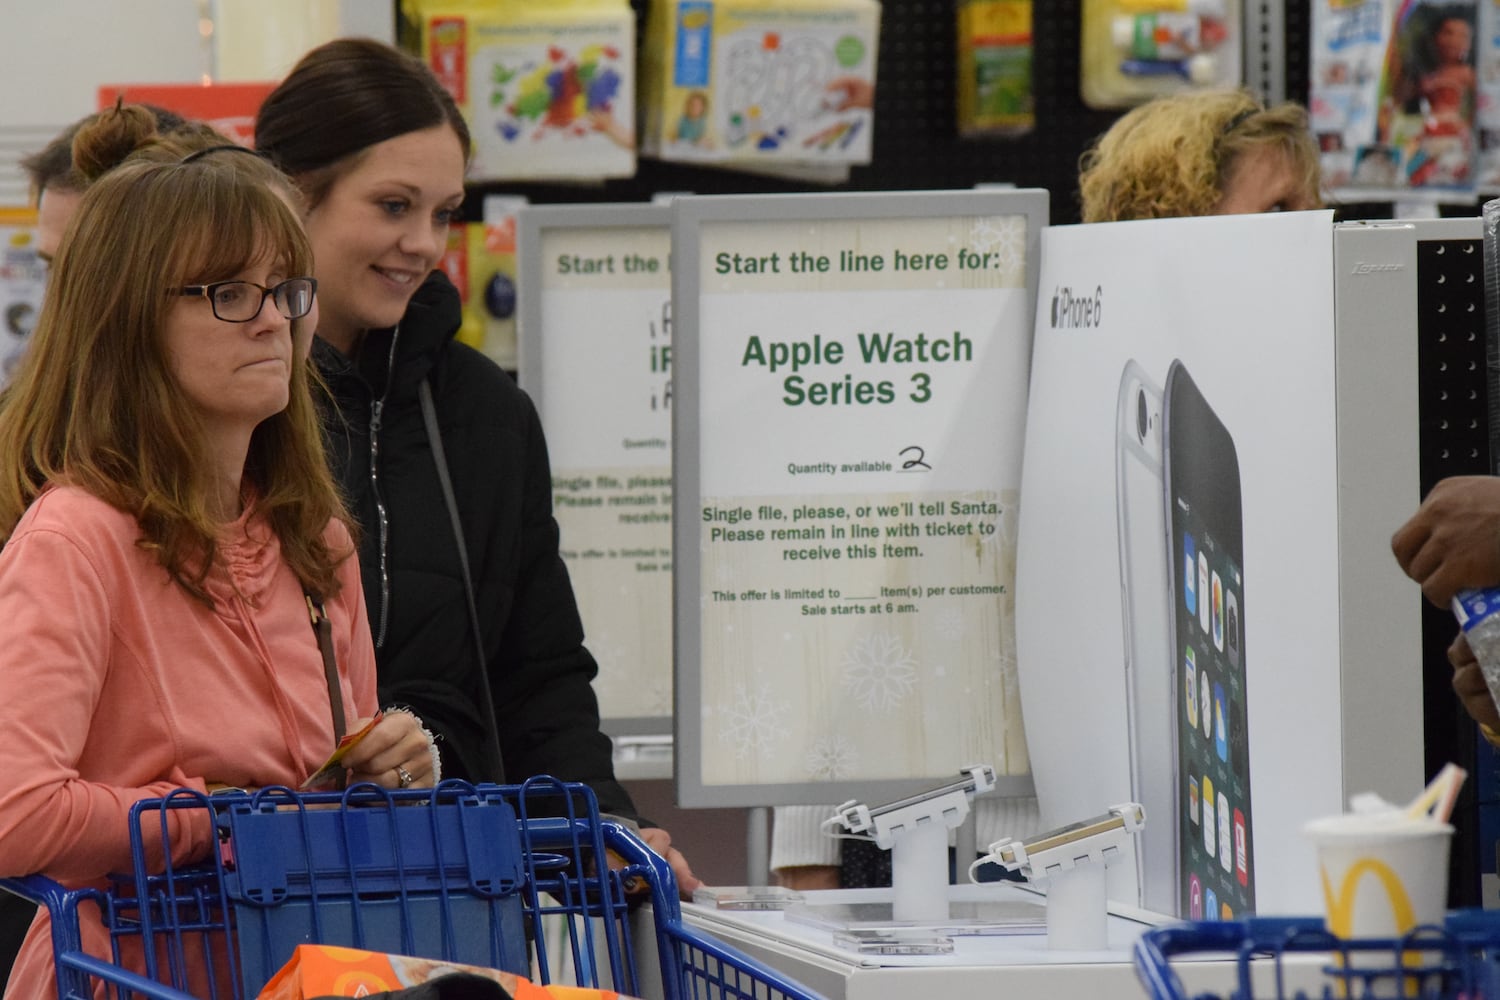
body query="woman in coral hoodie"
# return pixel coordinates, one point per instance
(167, 514)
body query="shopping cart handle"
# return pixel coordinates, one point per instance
(1154, 947)
(120, 978)
(62, 906)
(37, 888)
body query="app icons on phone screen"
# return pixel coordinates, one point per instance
(1189, 577)
(1208, 815)
(1218, 612)
(1226, 841)
(1210, 904)
(1225, 913)
(1190, 682)
(1232, 626)
(1241, 850)
(1204, 707)
(1193, 799)
(1221, 725)
(1195, 898)
(1203, 591)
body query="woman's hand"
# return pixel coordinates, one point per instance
(660, 841)
(395, 754)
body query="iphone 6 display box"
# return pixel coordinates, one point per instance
(1222, 436)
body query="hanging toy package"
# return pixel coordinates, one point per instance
(1487, 57)
(1134, 50)
(741, 82)
(1395, 95)
(548, 90)
(995, 94)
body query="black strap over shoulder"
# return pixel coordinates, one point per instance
(440, 459)
(323, 630)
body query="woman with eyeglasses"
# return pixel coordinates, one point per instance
(439, 452)
(168, 518)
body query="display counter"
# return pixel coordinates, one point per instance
(1017, 965)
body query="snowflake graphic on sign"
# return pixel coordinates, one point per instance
(1005, 237)
(659, 698)
(831, 758)
(950, 624)
(990, 529)
(752, 721)
(879, 672)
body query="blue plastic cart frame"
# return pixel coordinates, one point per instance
(469, 872)
(1460, 959)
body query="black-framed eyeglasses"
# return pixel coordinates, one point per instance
(242, 301)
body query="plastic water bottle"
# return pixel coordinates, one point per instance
(1478, 612)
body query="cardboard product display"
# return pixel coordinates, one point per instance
(1209, 620)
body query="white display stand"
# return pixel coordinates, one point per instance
(1011, 966)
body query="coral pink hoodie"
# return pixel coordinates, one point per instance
(116, 685)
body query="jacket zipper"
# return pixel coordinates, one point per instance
(377, 408)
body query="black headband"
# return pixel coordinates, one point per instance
(222, 147)
(1240, 119)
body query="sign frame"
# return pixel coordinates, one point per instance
(690, 216)
(533, 224)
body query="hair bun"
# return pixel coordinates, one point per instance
(105, 142)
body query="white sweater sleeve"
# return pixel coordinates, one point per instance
(797, 838)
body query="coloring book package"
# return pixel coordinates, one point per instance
(760, 81)
(548, 89)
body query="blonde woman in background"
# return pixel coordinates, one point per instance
(1212, 152)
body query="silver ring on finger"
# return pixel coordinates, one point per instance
(403, 775)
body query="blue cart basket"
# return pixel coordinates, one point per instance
(1458, 961)
(525, 878)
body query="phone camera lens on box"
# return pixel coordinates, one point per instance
(1141, 416)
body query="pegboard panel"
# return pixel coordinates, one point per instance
(1453, 436)
(1297, 46)
(917, 146)
(916, 143)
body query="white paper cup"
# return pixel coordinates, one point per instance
(1383, 874)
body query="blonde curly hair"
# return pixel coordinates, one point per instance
(1171, 157)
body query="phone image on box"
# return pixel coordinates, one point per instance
(1207, 609)
(1151, 690)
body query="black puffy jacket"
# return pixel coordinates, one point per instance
(539, 670)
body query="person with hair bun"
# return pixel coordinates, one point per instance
(439, 452)
(56, 187)
(1204, 152)
(167, 515)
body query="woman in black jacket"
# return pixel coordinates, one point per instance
(432, 441)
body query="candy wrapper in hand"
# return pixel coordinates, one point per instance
(330, 774)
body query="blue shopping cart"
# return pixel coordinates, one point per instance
(1457, 961)
(525, 878)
